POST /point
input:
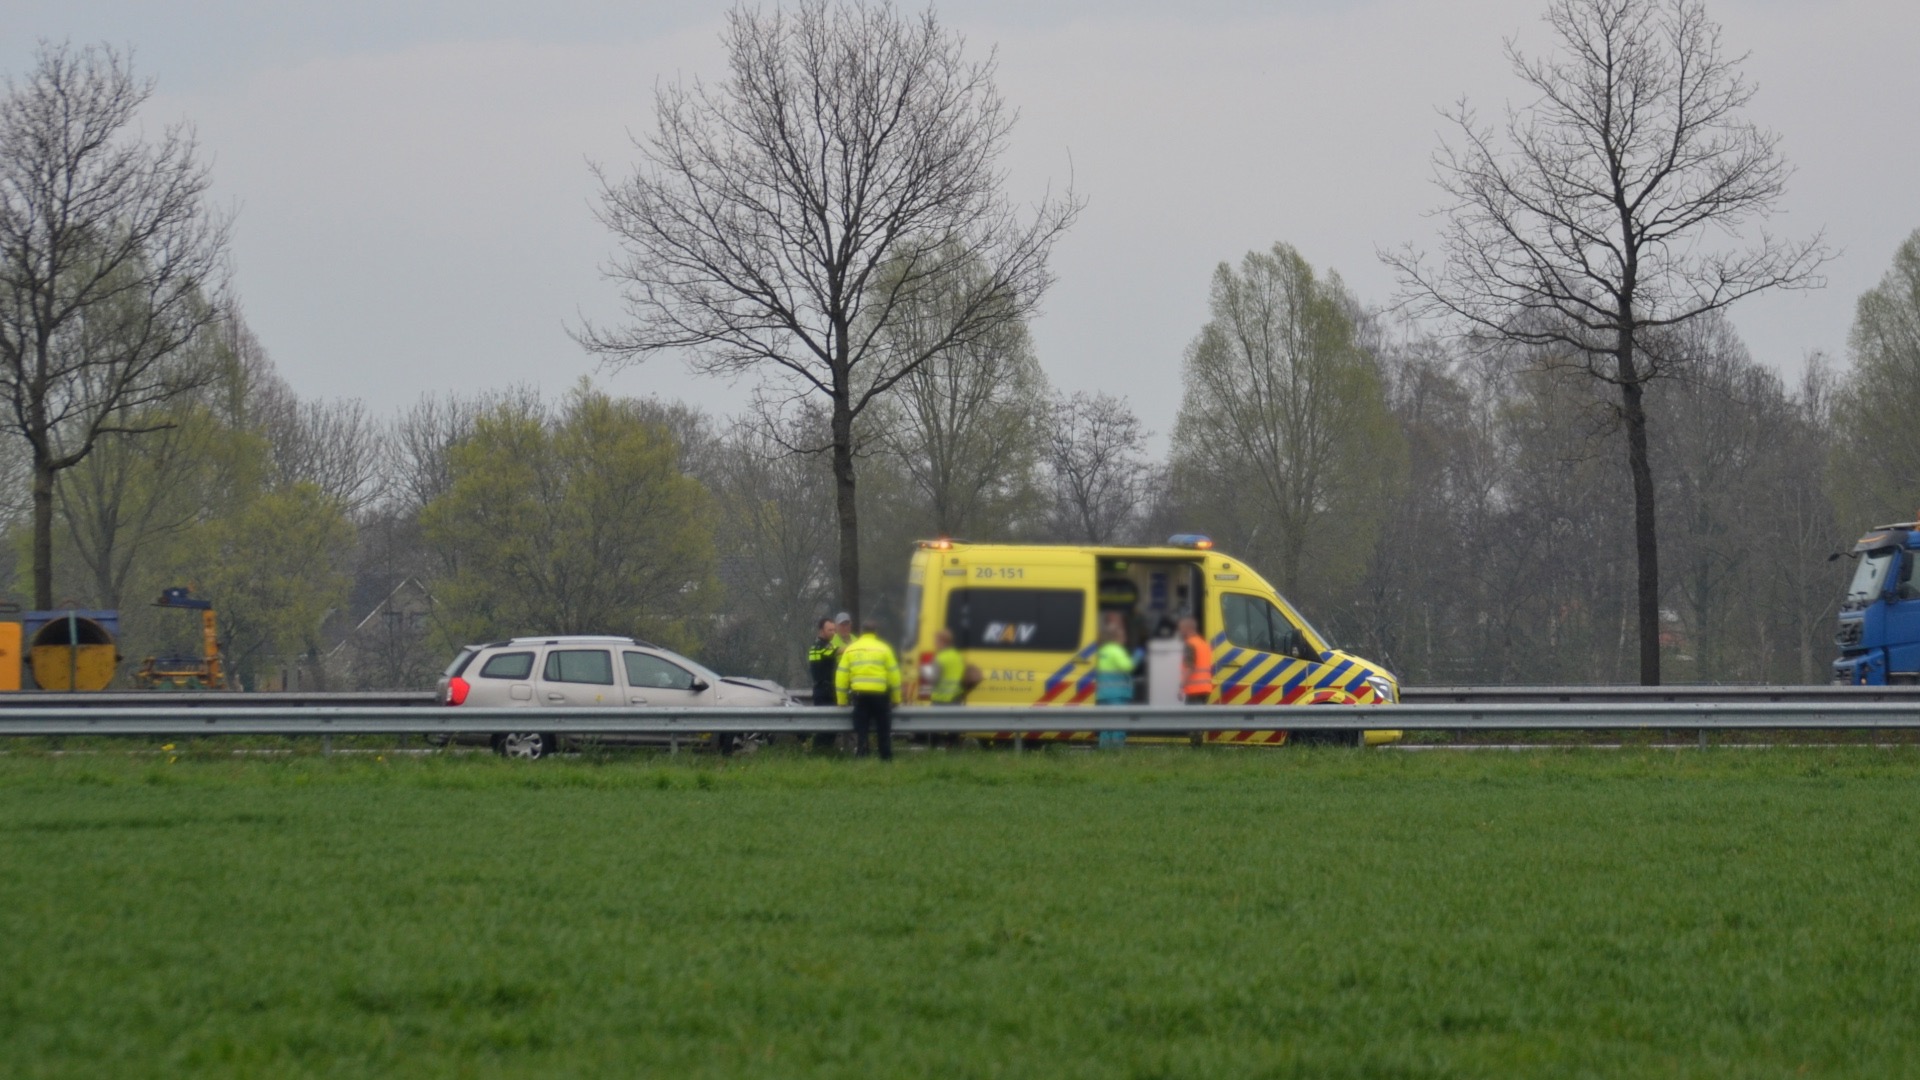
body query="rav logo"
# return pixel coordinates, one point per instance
(1000, 633)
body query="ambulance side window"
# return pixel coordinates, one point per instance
(1041, 620)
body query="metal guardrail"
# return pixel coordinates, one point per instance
(195, 699)
(1409, 695)
(335, 720)
(1689, 695)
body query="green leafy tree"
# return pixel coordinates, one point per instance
(1877, 460)
(213, 499)
(966, 424)
(1284, 445)
(275, 568)
(577, 521)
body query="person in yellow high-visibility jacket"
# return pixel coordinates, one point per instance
(869, 680)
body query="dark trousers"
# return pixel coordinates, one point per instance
(872, 712)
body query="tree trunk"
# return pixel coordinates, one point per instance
(848, 511)
(42, 532)
(1645, 542)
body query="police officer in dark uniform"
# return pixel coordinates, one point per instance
(823, 661)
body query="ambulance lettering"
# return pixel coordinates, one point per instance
(1009, 633)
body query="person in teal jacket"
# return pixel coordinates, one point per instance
(1113, 678)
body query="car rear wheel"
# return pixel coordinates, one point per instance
(525, 744)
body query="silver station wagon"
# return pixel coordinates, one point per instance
(560, 672)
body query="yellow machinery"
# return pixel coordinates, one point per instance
(203, 672)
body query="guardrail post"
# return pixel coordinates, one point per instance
(326, 746)
(1703, 738)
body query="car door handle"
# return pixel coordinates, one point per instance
(636, 701)
(551, 696)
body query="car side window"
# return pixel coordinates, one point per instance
(580, 666)
(508, 665)
(649, 671)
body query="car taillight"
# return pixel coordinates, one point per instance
(457, 691)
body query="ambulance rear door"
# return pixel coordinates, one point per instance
(1026, 618)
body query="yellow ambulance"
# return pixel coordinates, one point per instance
(1028, 616)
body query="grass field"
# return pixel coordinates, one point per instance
(1152, 914)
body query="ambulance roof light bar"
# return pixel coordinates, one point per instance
(1190, 540)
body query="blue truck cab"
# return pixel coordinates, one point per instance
(1879, 632)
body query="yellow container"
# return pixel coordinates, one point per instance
(10, 658)
(72, 650)
(74, 667)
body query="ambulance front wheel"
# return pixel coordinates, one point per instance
(1328, 738)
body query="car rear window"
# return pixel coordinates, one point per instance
(1043, 620)
(461, 661)
(507, 665)
(580, 666)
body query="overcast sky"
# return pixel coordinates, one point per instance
(414, 208)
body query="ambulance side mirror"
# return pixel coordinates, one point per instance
(1297, 647)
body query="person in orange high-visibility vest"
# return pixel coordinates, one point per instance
(1196, 666)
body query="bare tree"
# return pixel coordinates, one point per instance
(850, 143)
(1097, 467)
(334, 445)
(1593, 222)
(109, 265)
